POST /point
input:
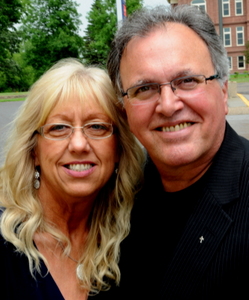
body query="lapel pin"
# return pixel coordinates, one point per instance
(201, 239)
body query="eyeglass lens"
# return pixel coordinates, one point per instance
(62, 131)
(151, 91)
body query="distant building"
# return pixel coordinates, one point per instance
(231, 17)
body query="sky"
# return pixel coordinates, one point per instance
(85, 6)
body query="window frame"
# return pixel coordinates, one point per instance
(239, 61)
(201, 5)
(240, 32)
(236, 3)
(227, 34)
(230, 61)
(226, 7)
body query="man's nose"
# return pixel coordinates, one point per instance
(168, 102)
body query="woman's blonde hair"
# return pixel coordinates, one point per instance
(22, 214)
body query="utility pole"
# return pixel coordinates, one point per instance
(220, 19)
(121, 10)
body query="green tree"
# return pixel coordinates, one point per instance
(246, 52)
(51, 27)
(10, 14)
(102, 25)
(26, 74)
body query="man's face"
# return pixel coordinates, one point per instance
(161, 56)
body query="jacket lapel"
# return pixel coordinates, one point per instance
(200, 239)
(208, 224)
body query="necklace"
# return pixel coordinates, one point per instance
(72, 259)
(63, 248)
(79, 271)
(79, 267)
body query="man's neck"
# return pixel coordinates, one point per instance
(178, 178)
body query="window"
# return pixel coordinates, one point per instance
(238, 7)
(227, 37)
(230, 61)
(241, 62)
(200, 3)
(240, 35)
(226, 8)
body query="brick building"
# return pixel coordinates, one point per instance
(231, 17)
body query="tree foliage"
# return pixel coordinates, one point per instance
(49, 31)
(51, 28)
(10, 14)
(246, 52)
(102, 25)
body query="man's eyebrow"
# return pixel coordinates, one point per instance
(178, 74)
(142, 81)
(182, 73)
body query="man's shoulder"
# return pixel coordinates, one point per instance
(234, 146)
(245, 144)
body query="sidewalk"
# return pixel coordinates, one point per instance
(238, 105)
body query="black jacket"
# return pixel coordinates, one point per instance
(210, 257)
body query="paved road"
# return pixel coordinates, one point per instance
(240, 124)
(243, 88)
(7, 114)
(239, 119)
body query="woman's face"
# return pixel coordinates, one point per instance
(76, 168)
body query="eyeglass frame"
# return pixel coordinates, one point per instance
(212, 77)
(40, 131)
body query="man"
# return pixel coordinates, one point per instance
(190, 225)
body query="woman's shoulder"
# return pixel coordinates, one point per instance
(7, 249)
(2, 240)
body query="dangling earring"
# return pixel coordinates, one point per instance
(116, 170)
(36, 179)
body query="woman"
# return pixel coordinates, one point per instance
(66, 187)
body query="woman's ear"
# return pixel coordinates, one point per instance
(35, 157)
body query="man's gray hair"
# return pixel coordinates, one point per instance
(143, 21)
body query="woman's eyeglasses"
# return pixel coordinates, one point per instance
(96, 130)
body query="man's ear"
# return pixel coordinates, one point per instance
(225, 96)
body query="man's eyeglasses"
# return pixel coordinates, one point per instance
(181, 86)
(96, 130)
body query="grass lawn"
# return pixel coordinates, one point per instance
(14, 99)
(17, 96)
(13, 94)
(241, 77)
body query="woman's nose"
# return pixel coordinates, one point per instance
(78, 141)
